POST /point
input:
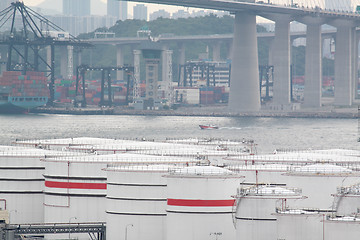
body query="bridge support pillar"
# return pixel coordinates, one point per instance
(281, 61)
(230, 50)
(181, 47)
(63, 61)
(313, 66)
(344, 74)
(119, 62)
(244, 86)
(355, 64)
(216, 51)
(70, 62)
(67, 61)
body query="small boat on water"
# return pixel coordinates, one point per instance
(208, 127)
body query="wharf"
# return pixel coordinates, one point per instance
(213, 111)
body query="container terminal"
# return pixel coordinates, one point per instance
(95, 188)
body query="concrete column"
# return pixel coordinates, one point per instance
(48, 58)
(63, 61)
(355, 63)
(343, 65)
(119, 62)
(216, 51)
(313, 66)
(70, 62)
(281, 61)
(79, 57)
(230, 50)
(271, 53)
(181, 47)
(244, 85)
(137, 80)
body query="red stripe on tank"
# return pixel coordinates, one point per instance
(75, 185)
(200, 203)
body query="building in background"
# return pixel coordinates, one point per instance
(140, 12)
(160, 13)
(343, 5)
(76, 7)
(85, 24)
(180, 14)
(118, 9)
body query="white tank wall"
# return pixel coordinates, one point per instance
(255, 213)
(300, 226)
(136, 201)
(194, 226)
(84, 203)
(319, 188)
(254, 219)
(348, 204)
(254, 230)
(335, 230)
(21, 185)
(194, 222)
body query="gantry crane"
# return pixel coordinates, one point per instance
(27, 32)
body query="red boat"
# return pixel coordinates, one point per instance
(208, 127)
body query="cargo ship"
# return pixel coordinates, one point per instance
(19, 93)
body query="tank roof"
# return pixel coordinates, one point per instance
(139, 168)
(321, 169)
(123, 158)
(201, 171)
(268, 190)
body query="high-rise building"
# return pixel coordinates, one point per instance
(140, 12)
(344, 5)
(160, 13)
(76, 7)
(117, 8)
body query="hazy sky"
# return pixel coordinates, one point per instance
(151, 7)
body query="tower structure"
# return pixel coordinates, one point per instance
(76, 7)
(117, 9)
(140, 12)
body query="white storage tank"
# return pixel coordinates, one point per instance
(255, 210)
(136, 201)
(200, 203)
(76, 186)
(300, 225)
(22, 182)
(347, 200)
(319, 181)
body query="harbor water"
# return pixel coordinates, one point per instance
(268, 133)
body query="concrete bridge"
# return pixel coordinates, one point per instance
(244, 90)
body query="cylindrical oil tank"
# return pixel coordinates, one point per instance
(347, 200)
(136, 201)
(22, 182)
(342, 228)
(76, 186)
(256, 205)
(200, 202)
(300, 225)
(319, 182)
